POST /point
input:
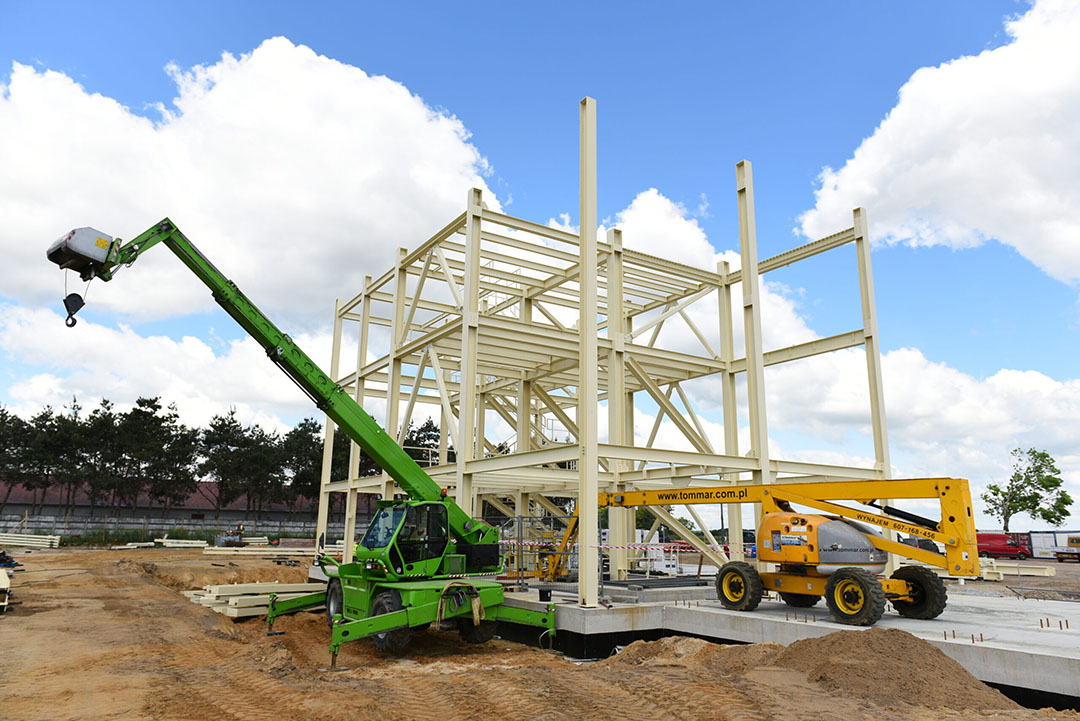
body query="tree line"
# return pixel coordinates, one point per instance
(116, 457)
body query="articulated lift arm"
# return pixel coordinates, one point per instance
(327, 395)
(955, 530)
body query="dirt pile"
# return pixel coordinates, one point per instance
(890, 666)
(695, 653)
(199, 572)
(885, 666)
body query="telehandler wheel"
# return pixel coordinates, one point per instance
(928, 593)
(854, 597)
(800, 600)
(738, 586)
(471, 633)
(335, 600)
(396, 640)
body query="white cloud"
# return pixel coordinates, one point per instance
(980, 147)
(120, 365)
(941, 421)
(295, 173)
(656, 225)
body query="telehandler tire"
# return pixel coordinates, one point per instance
(471, 633)
(396, 640)
(800, 600)
(928, 593)
(335, 600)
(855, 597)
(738, 586)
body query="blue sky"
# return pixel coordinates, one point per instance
(684, 93)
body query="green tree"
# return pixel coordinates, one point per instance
(15, 437)
(301, 451)
(145, 433)
(220, 445)
(172, 474)
(104, 449)
(422, 443)
(69, 443)
(43, 456)
(261, 471)
(1034, 488)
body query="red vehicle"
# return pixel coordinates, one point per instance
(1004, 545)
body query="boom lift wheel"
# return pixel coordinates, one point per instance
(854, 597)
(928, 594)
(335, 600)
(738, 586)
(396, 640)
(800, 600)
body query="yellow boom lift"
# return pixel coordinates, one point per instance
(835, 551)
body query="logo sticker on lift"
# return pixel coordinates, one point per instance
(788, 539)
(101, 243)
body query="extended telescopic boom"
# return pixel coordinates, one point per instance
(96, 255)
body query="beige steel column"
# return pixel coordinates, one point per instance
(470, 329)
(524, 395)
(620, 520)
(587, 391)
(873, 361)
(393, 376)
(481, 425)
(731, 413)
(358, 395)
(755, 367)
(873, 350)
(328, 438)
(444, 425)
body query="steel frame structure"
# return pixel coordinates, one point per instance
(496, 316)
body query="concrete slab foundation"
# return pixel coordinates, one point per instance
(1009, 646)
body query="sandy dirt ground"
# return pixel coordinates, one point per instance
(107, 635)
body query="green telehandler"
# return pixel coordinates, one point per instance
(423, 560)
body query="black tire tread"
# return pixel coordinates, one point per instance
(754, 588)
(800, 600)
(333, 591)
(471, 633)
(389, 641)
(932, 594)
(872, 609)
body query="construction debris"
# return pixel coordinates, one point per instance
(5, 590)
(266, 551)
(990, 569)
(132, 546)
(29, 540)
(239, 600)
(179, 543)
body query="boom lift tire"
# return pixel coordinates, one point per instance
(471, 633)
(335, 600)
(396, 640)
(854, 597)
(927, 592)
(738, 586)
(800, 600)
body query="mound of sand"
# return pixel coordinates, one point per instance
(887, 667)
(890, 666)
(199, 573)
